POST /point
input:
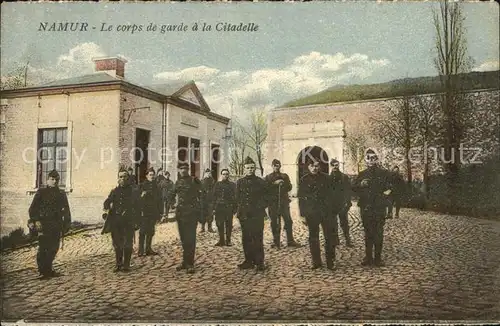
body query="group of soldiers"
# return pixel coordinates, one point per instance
(324, 199)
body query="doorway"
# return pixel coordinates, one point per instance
(308, 153)
(141, 154)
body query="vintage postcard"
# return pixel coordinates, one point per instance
(254, 162)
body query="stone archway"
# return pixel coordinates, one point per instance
(308, 153)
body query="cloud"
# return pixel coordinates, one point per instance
(76, 62)
(488, 66)
(269, 87)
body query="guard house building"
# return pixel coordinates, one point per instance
(87, 127)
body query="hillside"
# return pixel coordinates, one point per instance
(399, 87)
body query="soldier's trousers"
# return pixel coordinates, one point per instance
(344, 222)
(48, 246)
(252, 237)
(394, 201)
(275, 214)
(373, 225)
(187, 233)
(224, 221)
(146, 233)
(327, 224)
(208, 216)
(122, 235)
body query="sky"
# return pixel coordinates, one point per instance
(298, 49)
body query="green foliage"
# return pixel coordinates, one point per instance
(400, 87)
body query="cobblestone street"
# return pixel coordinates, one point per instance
(437, 267)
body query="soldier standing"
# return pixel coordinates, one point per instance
(224, 207)
(315, 196)
(166, 187)
(188, 213)
(121, 210)
(341, 200)
(151, 208)
(252, 200)
(50, 216)
(279, 205)
(372, 185)
(206, 201)
(396, 193)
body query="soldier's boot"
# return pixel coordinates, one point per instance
(228, 237)
(181, 267)
(276, 242)
(119, 260)
(149, 250)
(368, 260)
(397, 212)
(142, 238)
(126, 259)
(290, 240)
(221, 241)
(330, 260)
(378, 256)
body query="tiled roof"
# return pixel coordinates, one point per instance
(99, 77)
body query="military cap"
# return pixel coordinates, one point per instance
(53, 174)
(130, 169)
(275, 162)
(248, 160)
(207, 170)
(370, 151)
(182, 164)
(333, 161)
(151, 169)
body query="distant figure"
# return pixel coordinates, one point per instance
(132, 177)
(315, 196)
(50, 217)
(121, 213)
(398, 187)
(166, 187)
(151, 209)
(188, 214)
(341, 200)
(279, 205)
(207, 184)
(252, 201)
(224, 199)
(373, 185)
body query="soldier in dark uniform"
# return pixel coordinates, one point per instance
(166, 187)
(397, 192)
(50, 216)
(121, 212)
(151, 208)
(372, 185)
(224, 198)
(315, 197)
(341, 200)
(252, 200)
(279, 205)
(207, 184)
(132, 178)
(188, 214)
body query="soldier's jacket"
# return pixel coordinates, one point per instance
(251, 197)
(50, 207)
(151, 203)
(224, 195)
(123, 205)
(398, 184)
(315, 195)
(274, 191)
(207, 185)
(166, 188)
(373, 197)
(341, 190)
(188, 190)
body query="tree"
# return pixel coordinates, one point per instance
(427, 126)
(356, 146)
(16, 78)
(395, 127)
(256, 134)
(451, 60)
(237, 147)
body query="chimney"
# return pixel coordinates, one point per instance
(114, 66)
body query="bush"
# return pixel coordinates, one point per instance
(15, 239)
(474, 192)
